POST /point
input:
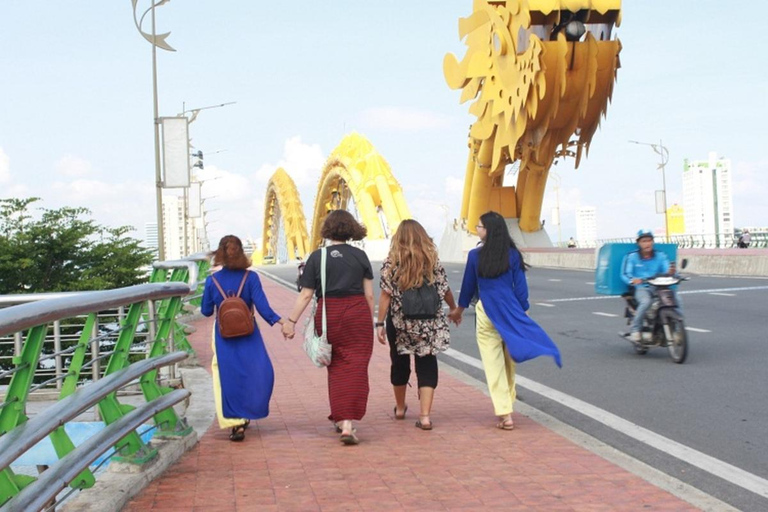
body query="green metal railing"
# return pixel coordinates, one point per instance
(145, 316)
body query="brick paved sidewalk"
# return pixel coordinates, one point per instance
(293, 461)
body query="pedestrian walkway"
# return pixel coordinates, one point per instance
(292, 460)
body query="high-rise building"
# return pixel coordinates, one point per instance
(150, 237)
(676, 219)
(708, 198)
(586, 224)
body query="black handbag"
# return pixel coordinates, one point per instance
(421, 303)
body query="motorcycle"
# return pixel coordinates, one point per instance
(663, 325)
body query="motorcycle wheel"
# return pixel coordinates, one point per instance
(678, 342)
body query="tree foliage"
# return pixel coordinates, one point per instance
(64, 250)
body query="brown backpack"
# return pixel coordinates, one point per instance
(234, 316)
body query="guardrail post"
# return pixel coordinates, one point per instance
(16, 396)
(59, 437)
(57, 349)
(135, 450)
(167, 421)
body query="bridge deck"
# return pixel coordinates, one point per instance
(293, 461)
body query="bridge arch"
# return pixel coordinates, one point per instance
(285, 227)
(356, 177)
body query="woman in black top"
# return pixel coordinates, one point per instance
(349, 314)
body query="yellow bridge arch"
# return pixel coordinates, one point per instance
(283, 215)
(356, 173)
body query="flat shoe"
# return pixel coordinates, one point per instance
(339, 431)
(423, 426)
(237, 434)
(349, 439)
(397, 416)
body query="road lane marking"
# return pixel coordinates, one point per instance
(600, 313)
(688, 292)
(723, 294)
(544, 304)
(554, 280)
(696, 329)
(590, 282)
(732, 474)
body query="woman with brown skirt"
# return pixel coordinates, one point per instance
(349, 317)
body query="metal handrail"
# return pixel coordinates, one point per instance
(22, 438)
(25, 316)
(190, 265)
(52, 481)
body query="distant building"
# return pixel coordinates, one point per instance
(586, 224)
(708, 197)
(676, 219)
(150, 237)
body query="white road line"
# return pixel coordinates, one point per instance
(600, 313)
(689, 292)
(590, 282)
(554, 280)
(544, 304)
(696, 329)
(732, 474)
(723, 294)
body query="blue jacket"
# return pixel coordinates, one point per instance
(635, 267)
(505, 300)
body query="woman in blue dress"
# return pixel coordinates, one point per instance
(506, 335)
(243, 376)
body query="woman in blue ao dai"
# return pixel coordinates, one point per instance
(243, 377)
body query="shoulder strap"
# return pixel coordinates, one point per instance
(242, 283)
(221, 290)
(322, 284)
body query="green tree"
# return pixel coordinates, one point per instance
(63, 250)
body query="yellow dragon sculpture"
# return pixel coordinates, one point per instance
(541, 73)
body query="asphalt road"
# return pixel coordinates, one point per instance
(705, 422)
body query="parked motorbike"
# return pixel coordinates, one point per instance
(663, 325)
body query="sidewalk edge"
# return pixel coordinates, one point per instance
(678, 488)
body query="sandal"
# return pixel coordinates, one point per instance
(506, 425)
(400, 416)
(238, 433)
(424, 426)
(349, 439)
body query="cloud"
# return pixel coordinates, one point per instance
(454, 186)
(5, 167)
(301, 161)
(401, 119)
(234, 204)
(73, 166)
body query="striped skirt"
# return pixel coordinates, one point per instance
(350, 333)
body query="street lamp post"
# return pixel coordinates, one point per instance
(663, 153)
(155, 40)
(191, 119)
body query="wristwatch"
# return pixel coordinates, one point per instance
(378, 324)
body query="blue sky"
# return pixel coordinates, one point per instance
(76, 104)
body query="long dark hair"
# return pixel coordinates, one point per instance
(494, 254)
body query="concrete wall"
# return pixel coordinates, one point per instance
(727, 262)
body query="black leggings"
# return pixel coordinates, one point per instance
(400, 372)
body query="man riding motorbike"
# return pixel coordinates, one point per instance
(638, 266)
